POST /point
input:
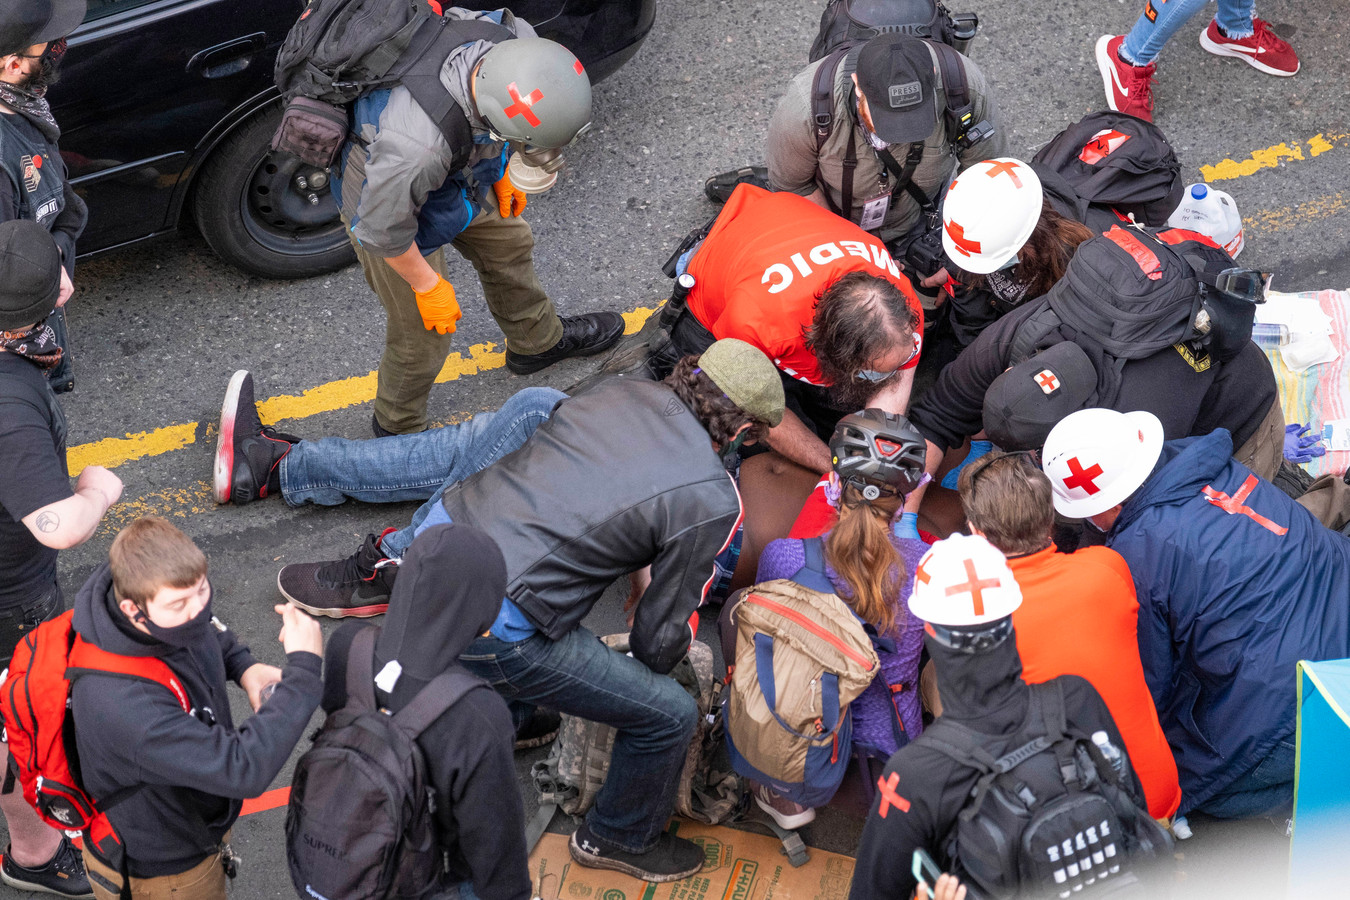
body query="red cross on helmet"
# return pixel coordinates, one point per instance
(534, 91)
(988, 214)
(964, 581)
(1096, 458)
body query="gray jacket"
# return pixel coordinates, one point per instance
(791, 149)
(621, 476)
(385, 185)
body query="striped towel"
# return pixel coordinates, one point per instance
(1322, 393)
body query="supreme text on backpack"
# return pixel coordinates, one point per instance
(1114, 168)
(574, 772)
(360, 825)
(339, 50)
(802, 656)
(1052, 817)
(35, 702)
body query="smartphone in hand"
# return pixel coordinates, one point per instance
(925, 872)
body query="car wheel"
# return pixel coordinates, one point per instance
(268, 214)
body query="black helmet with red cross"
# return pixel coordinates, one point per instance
(534, 91)
(878, 453)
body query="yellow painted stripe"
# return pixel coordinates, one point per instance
(112, 452)
(1289, 217)
(1273, 157)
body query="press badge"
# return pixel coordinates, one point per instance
(874, 212)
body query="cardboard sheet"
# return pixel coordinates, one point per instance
(740, 866)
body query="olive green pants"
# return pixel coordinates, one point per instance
(502, 250)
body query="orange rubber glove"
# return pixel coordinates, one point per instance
(439, 309)
(510, 199)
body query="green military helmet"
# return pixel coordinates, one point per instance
(534, 91)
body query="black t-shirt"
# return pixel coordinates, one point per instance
(33, 474)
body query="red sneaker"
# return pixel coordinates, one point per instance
(1129, 89)
(1264, 50)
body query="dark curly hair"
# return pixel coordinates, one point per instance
(711, 407)
(1044, 258)
(859, 318)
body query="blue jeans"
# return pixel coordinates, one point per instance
(653, 715)
(1267, 790)
(411, 466)
(1146, 39)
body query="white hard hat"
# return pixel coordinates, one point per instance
(963, 581)
(1095, 458)
(989, 212)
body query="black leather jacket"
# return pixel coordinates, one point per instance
(620, 476)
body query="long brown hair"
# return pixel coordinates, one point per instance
(860, 550)
(1044, 258)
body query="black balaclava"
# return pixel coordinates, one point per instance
(448, 592)
(983, 690)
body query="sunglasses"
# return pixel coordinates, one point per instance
(875, 377)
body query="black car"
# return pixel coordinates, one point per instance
(167, 109)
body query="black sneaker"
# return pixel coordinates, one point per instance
(248, 453)
(582, 336)
(539, 729)
(671, 859)
(378, 429)
(356, 586)
(718, 188)
(63, 874)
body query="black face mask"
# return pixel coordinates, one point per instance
(193, 631)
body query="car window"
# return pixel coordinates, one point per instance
(100, 8)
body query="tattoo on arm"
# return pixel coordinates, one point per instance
(48, 521)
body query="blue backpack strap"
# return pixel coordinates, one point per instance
(812, 574)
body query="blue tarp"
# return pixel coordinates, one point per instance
(1320, 849)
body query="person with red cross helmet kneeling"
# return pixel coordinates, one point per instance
(1236, 583)
(1002, 753)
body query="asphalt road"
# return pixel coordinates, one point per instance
(158, 329)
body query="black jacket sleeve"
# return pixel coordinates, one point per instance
(682, 573)
(147, 739)
(953, 409)
(475, 780)
(1240, 396)
(236, 654)
(69, 225)
(903, 818)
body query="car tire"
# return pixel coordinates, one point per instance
(248, 207)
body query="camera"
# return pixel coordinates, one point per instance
(924, 255)
(974, 134)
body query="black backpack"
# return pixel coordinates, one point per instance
(339, 50)
(1111, 167)
(361, 825)
(847, 23)
(1132, 292)
(1052, 817)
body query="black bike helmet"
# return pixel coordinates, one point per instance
(878, 450)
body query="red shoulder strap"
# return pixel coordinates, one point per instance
(87, 657)
(1182, 235)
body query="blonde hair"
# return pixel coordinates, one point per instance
(860, 550)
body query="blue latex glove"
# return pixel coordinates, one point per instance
(1299, 446)
(907, 526)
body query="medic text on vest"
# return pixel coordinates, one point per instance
(779, 276)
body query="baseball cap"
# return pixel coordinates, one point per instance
(747, 377)
(27, 22)
(1026, 401)
(895, 74)
(30, 273)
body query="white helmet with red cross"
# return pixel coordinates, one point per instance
(964, 581)
(1096, 458)
(988, 214)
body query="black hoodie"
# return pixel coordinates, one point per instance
(196, 768)
(449, 590)
(986, 693)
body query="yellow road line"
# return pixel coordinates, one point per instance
(1272, 157)
(1299, 214)
(112, 452)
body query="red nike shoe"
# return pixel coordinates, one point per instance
(1129, 89)
(1263, 50)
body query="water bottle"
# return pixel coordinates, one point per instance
(1212, 213)
(1113, 756)
(1270, 335)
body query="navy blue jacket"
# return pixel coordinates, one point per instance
(1235, 587)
